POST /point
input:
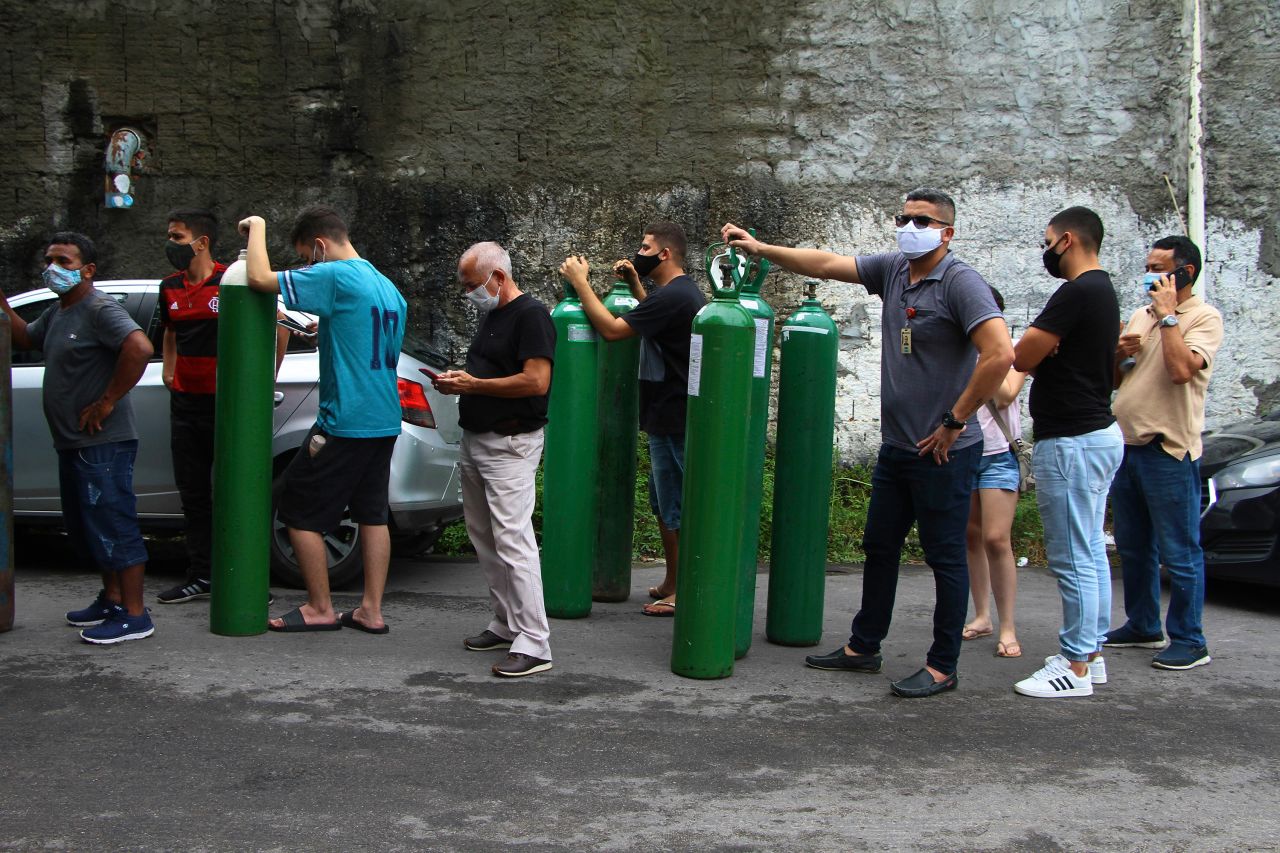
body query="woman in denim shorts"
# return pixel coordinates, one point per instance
(991, 510)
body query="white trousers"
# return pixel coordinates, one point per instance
(498, 495)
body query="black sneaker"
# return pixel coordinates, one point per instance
(518, 664)
(1179, 656)
(1125, 637)
(839, 661)
(185, 592)
(486, 641)
(92, 615)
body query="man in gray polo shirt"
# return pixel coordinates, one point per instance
(939, 319)
(94, 353)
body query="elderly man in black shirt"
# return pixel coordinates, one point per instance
(502, 412)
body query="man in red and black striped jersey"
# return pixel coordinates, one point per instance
(189, 312)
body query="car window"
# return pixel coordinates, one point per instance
(155, 331)
(30, 312)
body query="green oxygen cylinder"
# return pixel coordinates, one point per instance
(715, 477)
(802, 476)
(570, 463)
(242, 456)
(619, 412)
(761, 377)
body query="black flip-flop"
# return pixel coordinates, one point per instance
(294, 623)
(348, 620)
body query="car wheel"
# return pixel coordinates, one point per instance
(342, 546)
(413, 544)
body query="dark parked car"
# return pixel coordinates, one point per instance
(1240, 519)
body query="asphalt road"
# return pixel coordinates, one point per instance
(346, 741)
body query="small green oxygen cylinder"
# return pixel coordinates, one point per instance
(802, 476)
(761, 378)
(715, 474)
(570, 465)
(242, 456)
(618, 404)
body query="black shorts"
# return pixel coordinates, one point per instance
(344, 472)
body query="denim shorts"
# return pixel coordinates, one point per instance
(99, 508)
(666, 478)
(998, 471)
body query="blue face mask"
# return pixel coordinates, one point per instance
(1149, 281)
(60, 281)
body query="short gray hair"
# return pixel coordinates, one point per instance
(488, 256)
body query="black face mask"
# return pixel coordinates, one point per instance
(179, 254)
(1052, 261)
(646, 264)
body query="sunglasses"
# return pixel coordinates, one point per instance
(920, 220)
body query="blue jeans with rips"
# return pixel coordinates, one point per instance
(99, 508)
(1073, 475)
(1155, 503)
(906, 489)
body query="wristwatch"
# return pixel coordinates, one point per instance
(949, 421)
(1169, 320)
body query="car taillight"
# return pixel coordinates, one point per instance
(414, 408)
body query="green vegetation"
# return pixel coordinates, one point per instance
(850, 494)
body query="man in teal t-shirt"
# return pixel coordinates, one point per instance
(345, 460)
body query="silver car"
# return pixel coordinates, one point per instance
(425, 488)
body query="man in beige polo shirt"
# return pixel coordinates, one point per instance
(1163, 363)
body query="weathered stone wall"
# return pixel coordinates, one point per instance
(565, 126)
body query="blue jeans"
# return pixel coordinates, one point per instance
(1073, 474)
(906, 488)
(1155, 502)
(666, 478)
(99, 509)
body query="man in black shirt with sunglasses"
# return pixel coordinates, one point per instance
(939, 319)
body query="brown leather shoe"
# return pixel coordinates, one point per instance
(518, 664)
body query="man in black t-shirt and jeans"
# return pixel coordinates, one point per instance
(664, 321)
(1070, 348)
(502, 412)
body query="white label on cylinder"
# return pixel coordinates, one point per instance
(786, 329)
(695, 364)
(749, 303)
(762, 347)
(628, 302)
(582, 333)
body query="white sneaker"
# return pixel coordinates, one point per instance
(1097, 668)
(1055, 680)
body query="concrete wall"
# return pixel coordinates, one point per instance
(558, 127)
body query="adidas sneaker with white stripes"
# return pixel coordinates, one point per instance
(1055, 680)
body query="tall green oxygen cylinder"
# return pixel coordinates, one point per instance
(715, 475)
(761, 377)
(570, 463)
(618, 399)
(802, 476)
(242, 456)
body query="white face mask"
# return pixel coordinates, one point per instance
(482, 298)
(917, 242)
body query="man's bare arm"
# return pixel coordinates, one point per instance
(814, 263)
(261, 278)
(1034, 347)
(532, 381)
